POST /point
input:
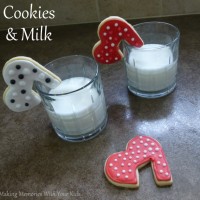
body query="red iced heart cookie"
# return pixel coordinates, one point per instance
(111, 32)
(121, 168)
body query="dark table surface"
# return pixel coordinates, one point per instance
(33, 160)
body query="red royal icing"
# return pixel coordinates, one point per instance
(122, 167)
(111, 32)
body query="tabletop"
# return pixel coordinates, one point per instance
(36, 164)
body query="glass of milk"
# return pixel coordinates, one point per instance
(77, 106)
(151, 69)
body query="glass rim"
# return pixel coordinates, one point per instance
(176, 30)
(67, 57)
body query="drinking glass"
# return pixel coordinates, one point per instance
(152, 69)
(76, 107)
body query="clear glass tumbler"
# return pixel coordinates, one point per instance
(151, 69)
(77, 106)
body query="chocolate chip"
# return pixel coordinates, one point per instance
(12, 81)
(18, 66)
(12, 101)
(48, 80)
(21, 76)
(23, 91)
(34, 70)
(26, 104)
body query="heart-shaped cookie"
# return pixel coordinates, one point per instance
(111, 32)
(121, 168)
(19, 74)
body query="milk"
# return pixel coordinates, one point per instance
(77, 112)
(151, 68)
